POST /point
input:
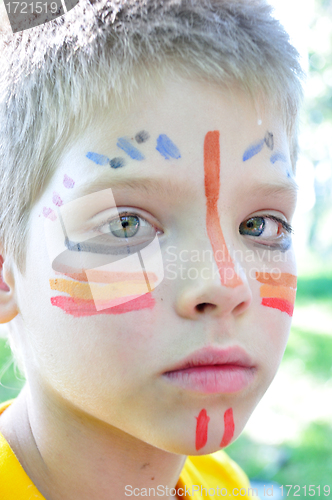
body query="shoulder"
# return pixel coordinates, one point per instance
(217, 468)
(15, 484)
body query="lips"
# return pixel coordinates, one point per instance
(213, 370)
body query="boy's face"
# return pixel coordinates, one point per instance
(183, 366)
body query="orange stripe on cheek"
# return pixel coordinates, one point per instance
(279, 292)
(277, 279)
(212, 186)
(108, 276)
(99, 293)
(73, 288)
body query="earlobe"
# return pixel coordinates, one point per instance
(8, 307)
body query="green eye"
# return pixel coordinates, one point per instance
(125, 226)
(252, 227)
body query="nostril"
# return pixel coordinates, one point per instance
(241, 307)
(205, 305)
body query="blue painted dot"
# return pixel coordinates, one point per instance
(117, 162)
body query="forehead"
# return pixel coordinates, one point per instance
(161, 135)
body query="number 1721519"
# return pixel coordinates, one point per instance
(295, 490)
(31, 8)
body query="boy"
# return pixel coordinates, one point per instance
(147, 153)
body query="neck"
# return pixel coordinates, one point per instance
(69, 455)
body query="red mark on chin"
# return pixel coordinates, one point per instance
(281, 304)
(226, 268)
(201, 429)
(80, 307)
(229, 428)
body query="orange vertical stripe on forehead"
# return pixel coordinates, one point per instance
(212, 186)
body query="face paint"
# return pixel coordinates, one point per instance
(167, 148)
(212, 185)
(269, 140)
(113, 272)
(202, 429)
(114, 289)
(56, 199)
(277, 279)
(278, 157)
(80, 308)
(117, 162)
(49, 213)
(253, 150)
(256, 148)
(98, 159)
(142, 136)
(68, 182)
(278, 291)
(229, 428)
(129, 149)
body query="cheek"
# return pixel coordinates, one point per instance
(278, 291)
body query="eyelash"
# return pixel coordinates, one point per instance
(121, 214)
(284, 224)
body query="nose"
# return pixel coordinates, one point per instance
(208, 295)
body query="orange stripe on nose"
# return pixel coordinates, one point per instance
(212, 186)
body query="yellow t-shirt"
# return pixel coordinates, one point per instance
(202, 477)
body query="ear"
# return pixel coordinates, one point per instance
(8, 307)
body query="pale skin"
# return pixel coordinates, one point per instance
(96, 413)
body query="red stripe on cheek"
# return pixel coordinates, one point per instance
(229, 427)
(202, 429)
(212, 186)
(80, 307)
(282, 305)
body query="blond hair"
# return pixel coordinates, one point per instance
(54, 75)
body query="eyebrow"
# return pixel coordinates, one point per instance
(166, 188)
(289, 187)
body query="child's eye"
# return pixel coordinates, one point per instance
(126, 225)
(271, 230)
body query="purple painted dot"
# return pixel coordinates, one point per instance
(68, 182)
(56, 199)
(49, 213)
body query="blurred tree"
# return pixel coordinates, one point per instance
(317, 143)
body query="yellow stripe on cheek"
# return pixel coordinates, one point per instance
(278, 292)
(107, 292)
(73, 288)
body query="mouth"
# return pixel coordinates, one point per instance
(213, 370)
